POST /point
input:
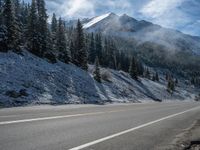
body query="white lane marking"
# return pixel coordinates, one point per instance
(129, 130)
(59, 117)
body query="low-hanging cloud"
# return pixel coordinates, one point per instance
(178, 14)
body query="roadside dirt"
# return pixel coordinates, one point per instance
(189, 139)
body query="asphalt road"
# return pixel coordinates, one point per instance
(111, 127)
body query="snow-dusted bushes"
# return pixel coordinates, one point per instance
(106, 76)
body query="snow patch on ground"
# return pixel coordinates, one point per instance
(45, 83)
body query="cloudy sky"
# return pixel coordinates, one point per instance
(183, 15)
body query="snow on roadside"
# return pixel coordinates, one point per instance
(43, 83)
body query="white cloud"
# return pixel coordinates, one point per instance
(120, 4)
(168, 13)
(79, 8)
(72, 8)
(156, 8)
(88, 8)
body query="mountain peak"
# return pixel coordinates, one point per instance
(112, 14)
(126, 17)
(98, 19)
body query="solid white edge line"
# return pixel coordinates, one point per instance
(57, 117)
(129, 130)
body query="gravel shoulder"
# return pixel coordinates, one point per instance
(189, 139)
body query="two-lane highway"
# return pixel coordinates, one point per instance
(111, 127)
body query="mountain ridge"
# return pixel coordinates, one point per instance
(144, 31)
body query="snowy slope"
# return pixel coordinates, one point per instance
(45, 83)
(95, 20)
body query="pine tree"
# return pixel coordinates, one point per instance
(125, 62)
(133, 69)
(50, 54)
(153, 78)
(42, 27)
(3, 31)
(105, 53)
(3, 39)
(17, 9)
(193, 81)
(97, 73)
(157, 77)
(98, 47)
(9, 20)
(147, 73)
(54, 28)
(25, 9)
(32, 32)
(25, 16)
(140, 68)
(109, 54)
(171, 86)
(18, 20)
(176, 81)
(92, 50)
(81, 53)
(111, 60)
(167, 76)
(54, 24)
(116, 58)
(64, 54)
(1, 11)
(72, 51)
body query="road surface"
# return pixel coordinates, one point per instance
(112, 127)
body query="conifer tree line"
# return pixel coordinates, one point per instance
(25, 26)
(110, 56)
(172, 83)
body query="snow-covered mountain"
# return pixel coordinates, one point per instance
(142, 31)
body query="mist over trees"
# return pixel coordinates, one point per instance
(97, 72)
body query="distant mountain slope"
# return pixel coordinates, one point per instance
(27, 79)
(95, 20)
(142, 31)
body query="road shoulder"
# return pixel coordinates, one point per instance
(189, 139)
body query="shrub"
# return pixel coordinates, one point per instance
(105, 75)
(15, 94)
(51, 58)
